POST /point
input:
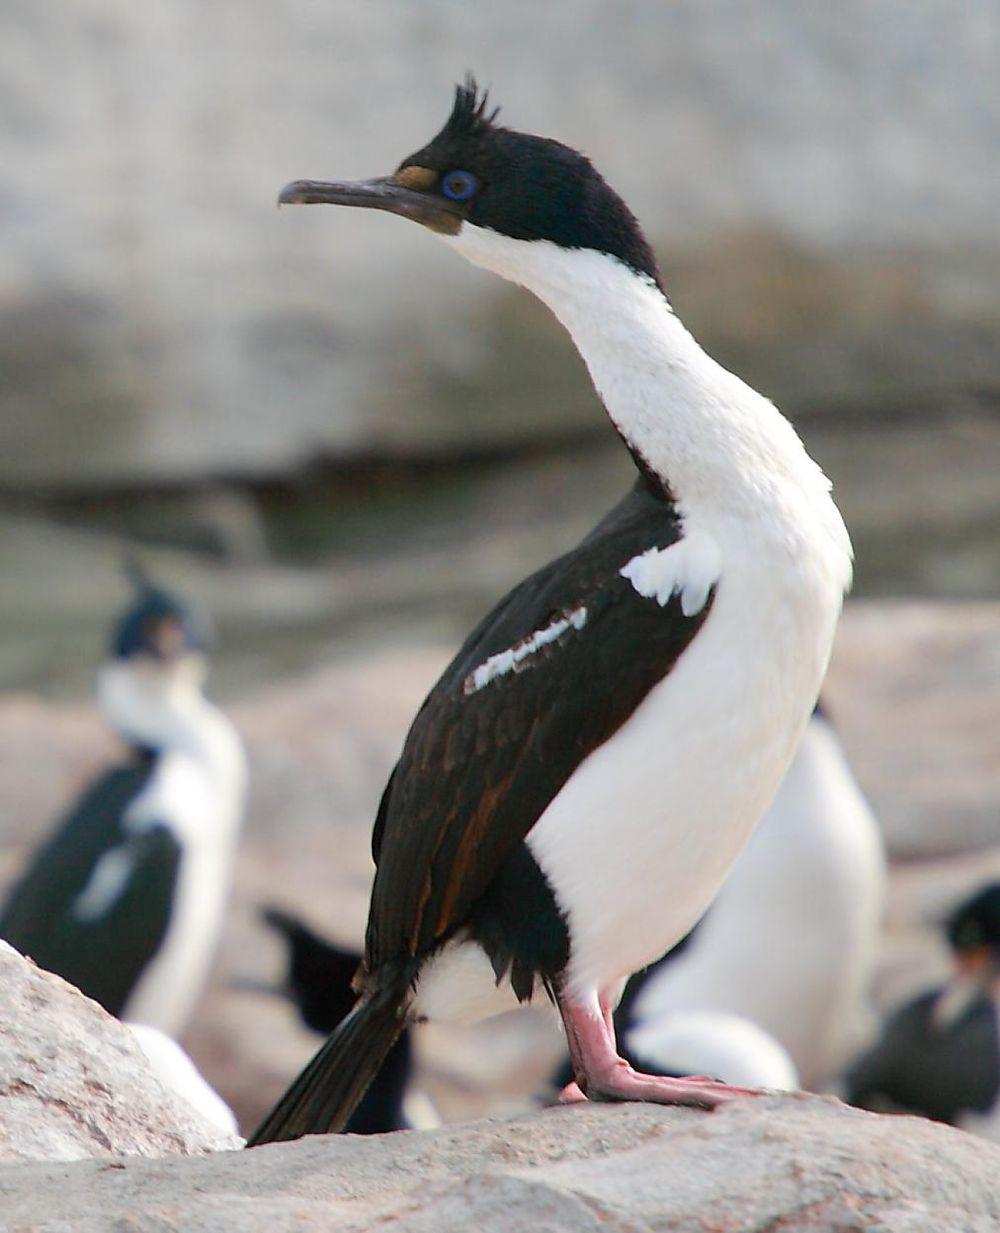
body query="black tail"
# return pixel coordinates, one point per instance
(326, 1093)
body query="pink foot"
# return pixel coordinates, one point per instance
(571, 1094)
(618, 1081)
(602, 1075)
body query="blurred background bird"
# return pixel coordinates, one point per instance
(319, 983)
(126, 899)
(939, 1054)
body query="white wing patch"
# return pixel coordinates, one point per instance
(511, 659)
(689, 568)
(105, 885)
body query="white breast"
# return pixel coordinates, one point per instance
(199, 795)
(641, 837)
(791, 940)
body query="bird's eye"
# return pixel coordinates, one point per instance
(459, 185)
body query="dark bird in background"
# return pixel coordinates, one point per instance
(939, 1054)
(578, 783)
(126, 899)
(319, 983)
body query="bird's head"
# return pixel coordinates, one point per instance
(157, 626)
(477, 183)
(156, 663)
(973, 931)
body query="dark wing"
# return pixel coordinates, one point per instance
(100, 942)
(483, 760)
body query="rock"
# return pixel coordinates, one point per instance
(796, 166)
(802, 1165)
(912, 689)
(74, 1083)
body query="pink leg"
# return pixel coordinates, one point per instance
(602, 1075)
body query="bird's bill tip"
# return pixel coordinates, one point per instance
(383, 193)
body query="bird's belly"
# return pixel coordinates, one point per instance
(172, 981)
(641, 837)
(458, 985)
(790, 941)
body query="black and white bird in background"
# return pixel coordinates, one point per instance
(319, 983)
(126, 899)
(576, 786)
(939, 1054)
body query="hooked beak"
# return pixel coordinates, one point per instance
(383, 193)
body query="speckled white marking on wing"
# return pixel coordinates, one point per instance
(105, 886)
(508, 661)
(689, 568)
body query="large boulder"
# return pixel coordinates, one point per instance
(819, 181)
(74, 1082)
(800, 1165)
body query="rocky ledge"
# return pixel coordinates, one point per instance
(791, 1163)
(74, 1082)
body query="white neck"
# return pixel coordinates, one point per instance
(165, 709)
(718, 446)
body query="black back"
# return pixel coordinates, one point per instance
(104, 957)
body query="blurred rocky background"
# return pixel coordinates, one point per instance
(344, 443)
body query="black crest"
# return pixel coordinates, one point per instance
(135, 631)
(532, 188)
(469, 118)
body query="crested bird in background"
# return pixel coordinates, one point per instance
(126, 900)
(577, 784)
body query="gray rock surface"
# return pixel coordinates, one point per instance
(818, 179)
(806, 1165)
(74, 1083)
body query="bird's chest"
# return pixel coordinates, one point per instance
(640, 838)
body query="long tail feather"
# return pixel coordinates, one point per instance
(326, 1093)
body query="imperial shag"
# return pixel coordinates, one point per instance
(578, 783)
(939, 1054)
(126, 900)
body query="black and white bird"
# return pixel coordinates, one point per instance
(791, 940)
(319, 983)
(939, 1054)
(126, 899)
(577, 784)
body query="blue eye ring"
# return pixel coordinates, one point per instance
(459, 185)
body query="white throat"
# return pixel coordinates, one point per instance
(721, 448)
(165, 709)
